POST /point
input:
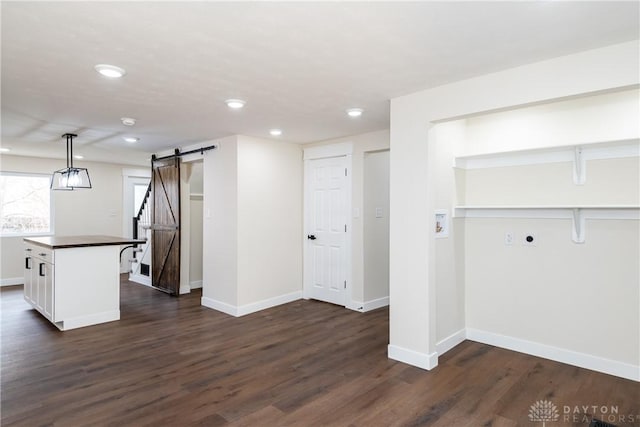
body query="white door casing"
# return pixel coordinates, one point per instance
(327, 253)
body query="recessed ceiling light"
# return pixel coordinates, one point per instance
(131, 139)
(78, 156)
(128, 121)
(355, 112)
(275, 132)
(110, 71)
(4, 149)
(235, 103)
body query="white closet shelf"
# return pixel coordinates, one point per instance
(578, 154)
(513, 207)
(577, 213)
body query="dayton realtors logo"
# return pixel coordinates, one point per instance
(543, 411)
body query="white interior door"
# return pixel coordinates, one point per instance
(327, 230)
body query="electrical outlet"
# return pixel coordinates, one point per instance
(508, 238)
(529, 239)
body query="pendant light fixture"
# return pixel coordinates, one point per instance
(70, 177)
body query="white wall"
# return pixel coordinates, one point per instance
(92, 211)
(602, 117)
(448, 138)
(413, 312)
(220, 223)
(581, 298)
(375, 214)
(252, 226)
(552, 184)
(363, 143)
(269, 220)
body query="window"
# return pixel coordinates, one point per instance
(25, 204)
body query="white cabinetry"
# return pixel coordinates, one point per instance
(30, 278)
(39, 280)
(74, 281)
(45, 301)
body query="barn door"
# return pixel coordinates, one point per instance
(165, 235)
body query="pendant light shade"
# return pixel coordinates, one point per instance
(70, 177)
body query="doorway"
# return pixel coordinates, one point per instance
(134, 183)
(376, 228)
(196, 209)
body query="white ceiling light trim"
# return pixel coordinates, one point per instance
(4, 149)
(110, 71)
(131, 139)
(275, 132)
(78, 156)
(235, 103)
(128, 121)
(355, 112)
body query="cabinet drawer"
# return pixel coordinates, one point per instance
(39, 252)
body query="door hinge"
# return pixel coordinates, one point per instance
(345, 171)
(345, 284)
(345, 228)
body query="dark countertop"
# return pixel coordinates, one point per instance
(61, 242)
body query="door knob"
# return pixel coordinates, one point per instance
(311, 237)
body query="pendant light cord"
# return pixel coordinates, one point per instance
(69, 137)
(67, 151)
(70, 142)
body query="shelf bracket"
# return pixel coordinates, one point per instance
(577, 234)
(579, 167)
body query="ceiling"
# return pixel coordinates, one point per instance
(298, 65)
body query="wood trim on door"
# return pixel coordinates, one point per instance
(165, 235)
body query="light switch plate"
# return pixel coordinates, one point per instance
(378, 212)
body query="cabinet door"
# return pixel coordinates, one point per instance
(49, 291)
(44, 301)
(39, 294)
(28, 277)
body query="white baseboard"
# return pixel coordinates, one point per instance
(243, 310)
(582, 360)
(451, 341)
(355, 306)
(196, 284)
(219, 305)
(12, 281)
(268, 303)
(139, 278)
(411, 357)
(363, 307)
(88, 320)
(376, 303)
(184, 290)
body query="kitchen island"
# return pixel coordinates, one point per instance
(74, 281)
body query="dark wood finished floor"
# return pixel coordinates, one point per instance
(171, 362)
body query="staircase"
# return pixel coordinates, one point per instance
(140, 271)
